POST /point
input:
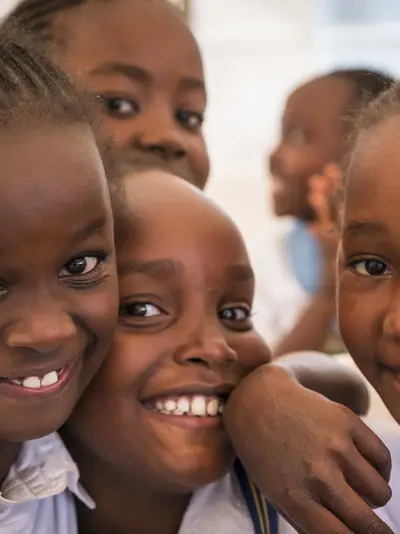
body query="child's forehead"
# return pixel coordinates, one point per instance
(158, 204)
(372, 184)
(376, 153)
(47, 161)
(319, 97)
(116, 30)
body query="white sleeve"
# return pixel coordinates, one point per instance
(390, 435)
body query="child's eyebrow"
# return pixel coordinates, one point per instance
(240, 273)
(142, 75)
(94, 226)
(363, 227)
(129, 71)
(159, 269)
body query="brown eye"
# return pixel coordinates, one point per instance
(81, 266)
(371, 267)
(142, 309)
(235, 313)
(191, 120)
(119, 107)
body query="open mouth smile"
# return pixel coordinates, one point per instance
(39, 385)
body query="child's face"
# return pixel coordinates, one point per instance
(184, 341)
(369, 263)
(58, 283)
(313, 134)
(146, 65)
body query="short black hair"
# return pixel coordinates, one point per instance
(367, 84)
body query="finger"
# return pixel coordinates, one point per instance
(367, 481)
(318, 200)
(306, 514)
(334, 176)
(373, 449)
(353, 511)
(314, 195)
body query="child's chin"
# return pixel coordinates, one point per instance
(202, 471)
(23, 425)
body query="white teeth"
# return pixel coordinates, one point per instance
(199, 406)
(213, 407)
(32, 382)
(183, 405)
(50, 379)
(170, 405)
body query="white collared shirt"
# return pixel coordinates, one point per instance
(390, 435)
(37, 496)
(220, 508)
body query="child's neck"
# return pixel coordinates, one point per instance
(8, 455)
(124, 505)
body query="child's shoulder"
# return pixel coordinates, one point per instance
(39, 488)
(390, 435)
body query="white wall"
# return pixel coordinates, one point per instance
(255, 51)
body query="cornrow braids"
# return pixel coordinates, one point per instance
(33, 88)
(36, 15)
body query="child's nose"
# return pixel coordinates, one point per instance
(166, 146)
(159, 135)
(41, 331)
(207, 347)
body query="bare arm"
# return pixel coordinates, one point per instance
(313, 459)
(324, 375)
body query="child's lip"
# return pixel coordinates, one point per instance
(204, 389)
(41, 370)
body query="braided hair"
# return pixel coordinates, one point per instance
(32, 87)
(36, 15)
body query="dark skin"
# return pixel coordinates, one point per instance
(58, 281)
(313, 135)
(369, 264)
(144, 62)
(186, 290)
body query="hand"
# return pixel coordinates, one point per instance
(314, 460)
(322, 198)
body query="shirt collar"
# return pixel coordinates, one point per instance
(44, 469)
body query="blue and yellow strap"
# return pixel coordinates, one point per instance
(263, 514)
